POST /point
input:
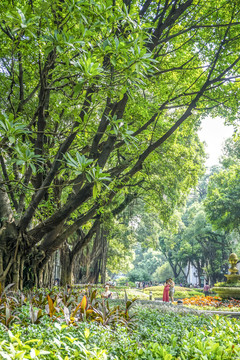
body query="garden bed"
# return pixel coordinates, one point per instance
(57, 325)
(213, 305)
(164, 307)
(156, 335)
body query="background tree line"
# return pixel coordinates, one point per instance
(202, 233)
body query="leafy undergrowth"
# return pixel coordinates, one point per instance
(180, 292)
(165, 336)
(70, 308)
(212, 303)
(57, 325)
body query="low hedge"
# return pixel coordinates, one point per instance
(180, 292)
(225, 284)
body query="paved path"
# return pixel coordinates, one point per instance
(184, 309)
(209, 312)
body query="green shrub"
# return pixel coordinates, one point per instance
(122, 281)
(157, 335)
(180, 292)
(225, 284)
(60, 334)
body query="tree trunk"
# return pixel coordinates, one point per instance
(79, 266)
(66, 265)
(104, 234)
(21, 274)
(98, 257)
(48, 275)
(199, 271)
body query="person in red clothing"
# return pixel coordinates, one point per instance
(166, 291)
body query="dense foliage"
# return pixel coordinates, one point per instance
(97, 98)
(157, 335)
(222, 203)
(194, 241)
(145, 263)
(62, 325)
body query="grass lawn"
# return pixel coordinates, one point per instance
(157, 292)
(119, 292)
(180, 292)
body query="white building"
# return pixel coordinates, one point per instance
(191, 273)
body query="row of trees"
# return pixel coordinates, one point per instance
(222, 203)
(191, 238)
(160, 250)
(196, 242)
(210, 229)
(98, 98)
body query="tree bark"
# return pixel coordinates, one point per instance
(104, 235)
(66, 265)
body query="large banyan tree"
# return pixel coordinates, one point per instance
(92, 92)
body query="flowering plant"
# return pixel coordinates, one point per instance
(214, 301)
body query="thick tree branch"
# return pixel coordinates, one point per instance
(5, 174)
(38, 196)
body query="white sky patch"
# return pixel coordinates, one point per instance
(214, 133)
